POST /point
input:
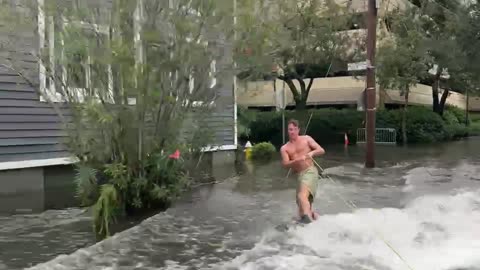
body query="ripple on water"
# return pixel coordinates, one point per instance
(227, 230)
(425, 235)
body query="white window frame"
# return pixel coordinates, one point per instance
(49, 40)
(211, 76)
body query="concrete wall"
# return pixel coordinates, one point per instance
(59, 187)
(36, 189)
(21, 190)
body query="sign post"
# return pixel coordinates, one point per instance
(357, 66)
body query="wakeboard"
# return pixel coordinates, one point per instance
(287, 226)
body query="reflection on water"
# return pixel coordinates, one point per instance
(29, 239)
(424, 200)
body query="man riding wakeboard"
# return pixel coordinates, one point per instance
(298, 154)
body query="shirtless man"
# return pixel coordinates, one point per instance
(298, 154)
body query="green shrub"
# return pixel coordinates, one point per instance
(450, 118)
(474, 117)
(328, 126)
(263, 151)
(244, 118)
(267, 127)
(457, 112)
(423, 125)
(455, 128)
(456, 131)
(474, 129)
(389, 119)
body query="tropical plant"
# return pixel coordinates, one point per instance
(133, 81)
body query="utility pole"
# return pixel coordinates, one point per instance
(284, 107)
(371, 83)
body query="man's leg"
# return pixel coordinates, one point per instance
(310, 200)
(304, 206)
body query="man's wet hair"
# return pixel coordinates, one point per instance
(294, 122)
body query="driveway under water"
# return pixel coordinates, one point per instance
(422, 201)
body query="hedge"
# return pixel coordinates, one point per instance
(263, 151)
(328, 126)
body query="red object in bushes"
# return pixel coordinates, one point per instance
(175, 155)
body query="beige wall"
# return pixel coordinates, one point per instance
(345, 90)
(339, 90)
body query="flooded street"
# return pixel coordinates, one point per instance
(423, 201)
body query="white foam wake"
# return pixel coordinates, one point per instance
(431, 233)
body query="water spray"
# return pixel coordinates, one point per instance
(354, 207)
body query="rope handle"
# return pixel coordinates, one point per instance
(354, 207)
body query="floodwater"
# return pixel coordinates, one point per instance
(419, 209)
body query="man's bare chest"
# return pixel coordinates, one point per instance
(298, 149)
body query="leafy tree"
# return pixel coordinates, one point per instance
(402, 60)
(294, 41)
(151, 70)
(440, 25)
(469, 40)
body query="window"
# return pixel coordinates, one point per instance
(77, 67)
(212, 75)
(70, 57)
(199, 77)
(196, 78)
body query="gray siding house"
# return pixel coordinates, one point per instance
(36, 169)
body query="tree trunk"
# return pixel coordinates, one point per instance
(404, 118)
(382, 95)
(435, 86)
(301, 97)
(296, 95)
(301, 104)
(439, 104)
(443, 101)
(467, 119)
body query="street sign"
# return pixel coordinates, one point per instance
(357, 66)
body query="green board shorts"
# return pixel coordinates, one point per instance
(310, 178)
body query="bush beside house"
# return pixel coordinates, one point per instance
(263, 151)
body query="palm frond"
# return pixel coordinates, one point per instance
(86, 185)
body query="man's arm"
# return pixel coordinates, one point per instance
(317, 149)
(286, 161)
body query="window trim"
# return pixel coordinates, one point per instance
(49, 40)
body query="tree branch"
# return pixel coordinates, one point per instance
(310, 85)
(303, 87)
(293, 88)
